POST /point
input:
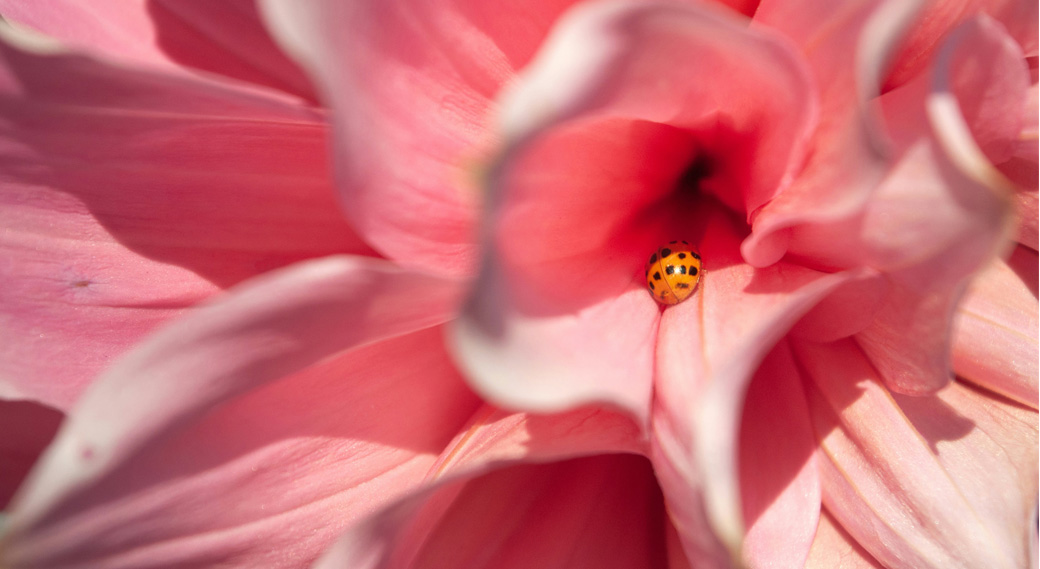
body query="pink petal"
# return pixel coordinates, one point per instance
(846, 45)
(943, 200)
(780, 486)
(904, 475)
(227, 38)
(558, 317)
(834, 547)
(493, 440)
(233, 434)
(938, 18)
(135, 195)
(995, 333)
(410, 87)
(27, 429)
(708, 350)
(602, 511)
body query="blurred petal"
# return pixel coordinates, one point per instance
(834, 547)
(938, 18)
(134, 195)
(846, 44)
(227, 38)
(27, 429)
(231, 405)
(995, 334)
(780, 487)
(708, 350)
(894, 466)
(410, 87)
(943, 201)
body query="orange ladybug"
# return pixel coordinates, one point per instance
(673, 272)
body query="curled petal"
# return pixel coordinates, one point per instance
(580, 197)
(846, 45)
(708, 350)
(324, 352)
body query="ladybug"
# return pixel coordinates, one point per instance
(673, 272)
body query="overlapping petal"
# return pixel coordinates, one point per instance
(226, 38)
(708, 351)
(935, 481)
(410, 86)
(564, 511)
(274, 401)
(129, 195)
(634, 149)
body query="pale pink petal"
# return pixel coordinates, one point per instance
(137, 194)
(940, 481)
(834, 548)
(846, 45)
(27, 429)
(995, 334)
(779, 483)
(233, 435)
(603, 168)
(602, 511)
(227, 37)
(945, 200)
(709, 348)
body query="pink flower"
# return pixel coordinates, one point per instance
(797, 411)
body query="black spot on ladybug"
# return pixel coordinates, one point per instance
(665, 252)
(653, 258)
(682, 255)
(652, 287)
(695, 255)
(693, 271)
(670, 269)
(682, 269)
(672, 242)
(657, 276)
(684, 243)
(682, 285)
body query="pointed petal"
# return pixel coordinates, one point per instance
(894, 466)
(136, 195)
(995, 334)
(708, 350)
(28, 428)
(227, 38)
(240, 403)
